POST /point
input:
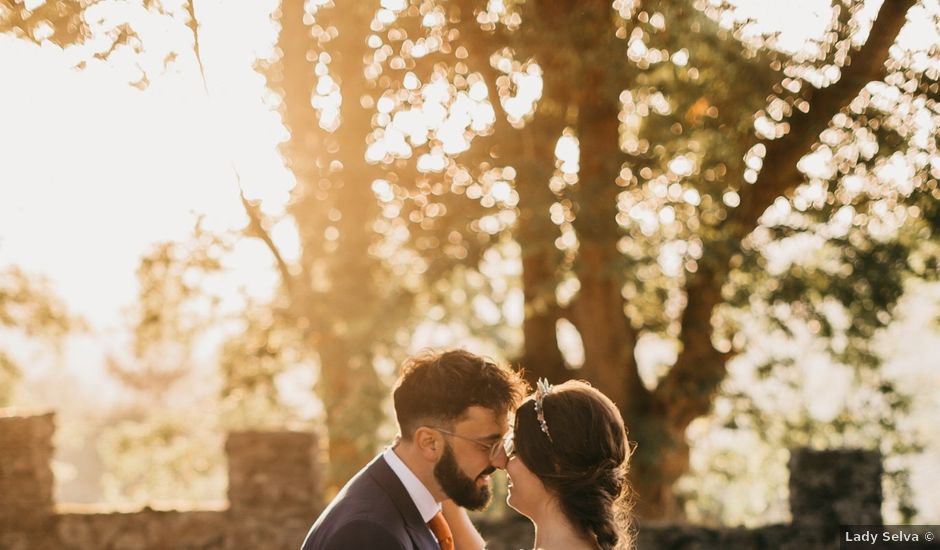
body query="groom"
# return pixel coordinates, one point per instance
(452, 409)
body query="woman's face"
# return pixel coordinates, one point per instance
(526, 490)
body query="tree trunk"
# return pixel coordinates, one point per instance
(692, 383)
(608, 338)
(536, 234)
(351, 393)
(333, 197)
(660, 458)
(599, 308)
(541, 357)
(684, 394)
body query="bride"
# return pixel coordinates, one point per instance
(566, 457)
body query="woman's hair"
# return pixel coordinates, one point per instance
(583, 460)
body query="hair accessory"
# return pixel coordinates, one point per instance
(542, 388)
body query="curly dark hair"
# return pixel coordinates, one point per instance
(439, 386)
(585, 462)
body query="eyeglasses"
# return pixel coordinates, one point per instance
(509, 445)
(492, 449)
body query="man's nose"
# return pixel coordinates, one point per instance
(500, 459)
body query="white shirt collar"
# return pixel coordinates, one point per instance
(424, 501)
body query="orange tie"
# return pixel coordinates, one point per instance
(441, 530)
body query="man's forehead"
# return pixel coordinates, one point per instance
(483, 418)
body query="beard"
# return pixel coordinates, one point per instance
(457, 486)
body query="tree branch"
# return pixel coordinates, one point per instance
(256, 228)
(692, 382)
(781, 174)
(255, 218)
(193, 25)
(690, 386)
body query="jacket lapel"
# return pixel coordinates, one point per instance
(383, 474)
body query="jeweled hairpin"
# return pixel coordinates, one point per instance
(542, 388)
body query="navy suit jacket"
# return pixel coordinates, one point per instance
(374, 512)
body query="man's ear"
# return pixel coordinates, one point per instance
(429, 443)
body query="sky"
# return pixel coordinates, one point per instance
(94, 171)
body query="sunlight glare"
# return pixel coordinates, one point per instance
(682, 166)
(570, 343)
(798, 22)
(567, 150)
(394, 5)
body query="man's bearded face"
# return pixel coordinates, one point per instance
(467, 492)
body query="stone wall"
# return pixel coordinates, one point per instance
(827, 489)
(273, 489)
(181, 530)
(27, 510)
(273, 499)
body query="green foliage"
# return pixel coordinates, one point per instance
(61, 23)
(263, 347)
(174, 308)
(158, 444)
(29, 307)
(174, 457)
(28, 303)
(165, 444)
(778, 404)
(9, 376)
(677, 107)
(96, 31)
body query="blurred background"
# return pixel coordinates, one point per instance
(229, 215)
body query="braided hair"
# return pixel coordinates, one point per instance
(584, 461)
